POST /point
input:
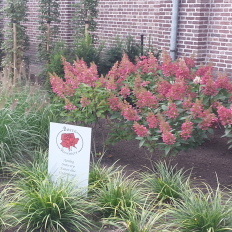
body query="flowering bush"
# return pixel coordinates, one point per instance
(84, 97)
(170, 104)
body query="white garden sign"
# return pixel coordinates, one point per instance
(69, 153)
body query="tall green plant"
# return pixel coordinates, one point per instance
(88, 51)
(85, 17)
(49, 16)
(132, 49)
(16, 41)
(25, 116)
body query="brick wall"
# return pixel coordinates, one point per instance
(219, 46)
(66, 14)
(204, 26)
(1, 20)
(193, 28)
(205, 29)
(125, 17)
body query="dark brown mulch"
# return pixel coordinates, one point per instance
(211, 162)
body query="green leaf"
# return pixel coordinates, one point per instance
(115, 115)
(227, 132)
(167, 149)
(164, 107)
(211, 131)
(141, 143)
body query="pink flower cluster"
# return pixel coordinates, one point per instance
(167, 136)
(225, 115)
(190, 62)
(60, 87)
(182, 71)
(223, 82)
(114, 103)
(120, 71)
(125, 91)
(186, 130)
(152, 120)
(147, 64)
(128, 112)
(140, 130)
(69, 105)
(208, 120)
(145, 99)
(197, 109)
(203, 70)
(84, 101)
(210, 87)
(74, 76)
(177, 91)
(172, 111)
(163, 88)
(168, 67)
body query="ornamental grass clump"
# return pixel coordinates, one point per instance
(203, 210)
(31, 174)
(100, 175)
(166, 182)
(25, 116)
(38, 204)
(119, 194)
(51, 207)
(145, 218)
(5, 216)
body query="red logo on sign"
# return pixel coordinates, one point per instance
(68, 140)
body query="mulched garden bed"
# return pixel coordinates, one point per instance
(210, 163)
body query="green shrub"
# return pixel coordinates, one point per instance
(203, 210)
(166, 182)
(55, 64)
(111, 55)
(132, 49)
(86, 49)
(115, 53)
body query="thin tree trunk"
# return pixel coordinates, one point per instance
(15, 52)
(48, 38)
(86, 30)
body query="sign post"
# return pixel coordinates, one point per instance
(69, 154)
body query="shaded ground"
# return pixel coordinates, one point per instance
(209, 162)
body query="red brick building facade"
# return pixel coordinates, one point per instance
(204, 26)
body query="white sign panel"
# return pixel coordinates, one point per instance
(69, 153)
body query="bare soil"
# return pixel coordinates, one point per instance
(210, 163)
